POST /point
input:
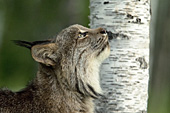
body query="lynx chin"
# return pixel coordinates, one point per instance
(67, 80)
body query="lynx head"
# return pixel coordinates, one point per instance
(75, 56)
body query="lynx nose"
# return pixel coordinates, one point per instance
(99, 31)
(103, 31)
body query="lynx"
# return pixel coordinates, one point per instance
(67, 80)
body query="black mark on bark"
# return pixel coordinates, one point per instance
(138, 20)
(135, 19)
(150, 11)
(143, 63)
(117, 35)
(107, 2)
(129, 16)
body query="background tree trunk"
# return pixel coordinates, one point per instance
(1, 21)
(124, 75)
(159, 100)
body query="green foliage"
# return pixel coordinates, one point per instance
(32, 20)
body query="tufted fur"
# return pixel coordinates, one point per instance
(67, 80)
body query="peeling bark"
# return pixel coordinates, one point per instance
(124, 75)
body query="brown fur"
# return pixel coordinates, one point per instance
(67, 80)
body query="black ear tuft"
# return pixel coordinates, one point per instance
(30, 44)
(23, 43)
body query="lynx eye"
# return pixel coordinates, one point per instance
(82, 34)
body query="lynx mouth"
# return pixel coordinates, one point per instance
(105, 45)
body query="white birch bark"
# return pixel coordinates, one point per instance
(124, 75)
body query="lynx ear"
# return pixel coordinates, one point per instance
(45, 53)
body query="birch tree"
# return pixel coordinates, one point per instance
(124, 75)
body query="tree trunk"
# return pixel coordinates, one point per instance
(159, 100)
(124, 75)
(1, 23)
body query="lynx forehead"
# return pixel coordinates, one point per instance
(93, 41)
(68, 77)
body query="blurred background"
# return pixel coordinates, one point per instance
(33, 20)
